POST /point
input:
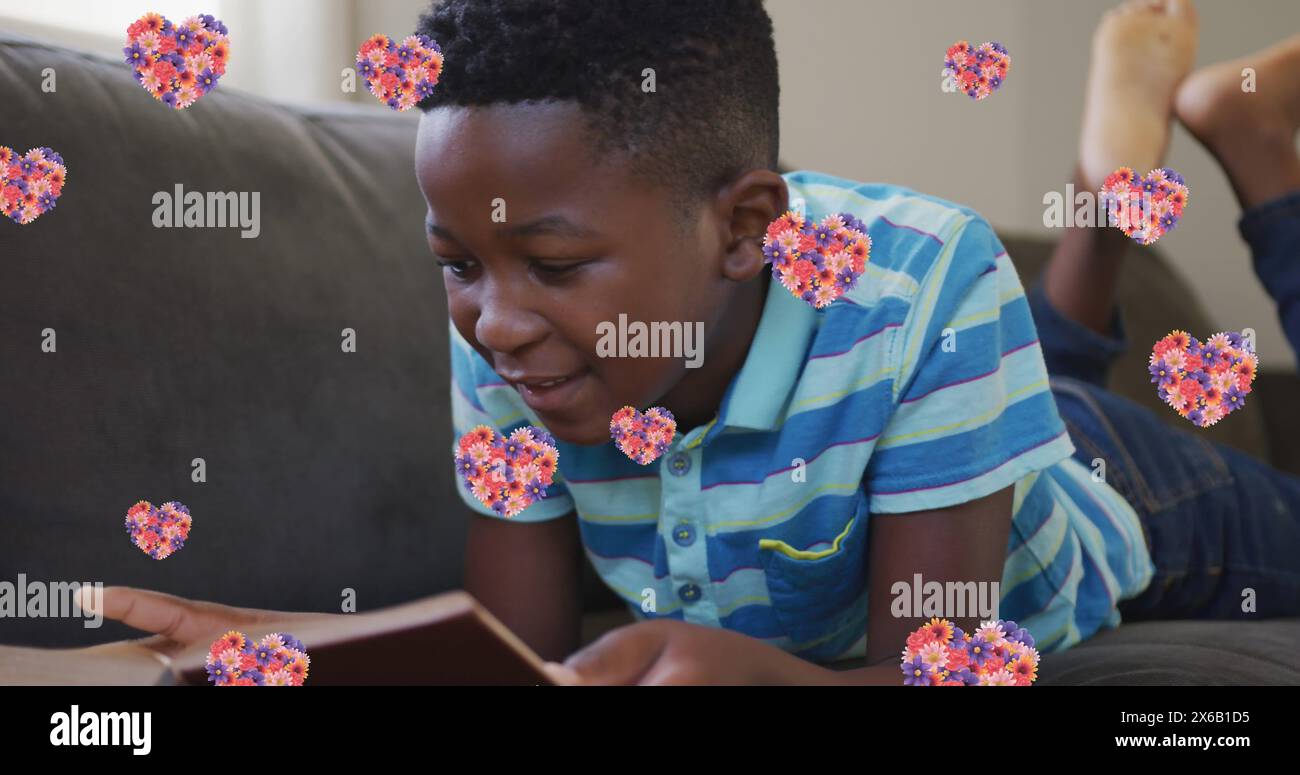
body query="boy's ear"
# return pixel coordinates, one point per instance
(747, 205)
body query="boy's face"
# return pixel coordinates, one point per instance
(581, 243)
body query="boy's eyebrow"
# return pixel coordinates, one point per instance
(554, 225)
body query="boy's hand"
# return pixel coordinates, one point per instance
(179, 623)
(667, 651)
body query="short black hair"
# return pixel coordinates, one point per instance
(715, 108)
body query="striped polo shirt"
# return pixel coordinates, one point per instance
(922, 387)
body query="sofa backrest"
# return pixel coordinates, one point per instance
(325, 470)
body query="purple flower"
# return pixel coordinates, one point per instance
(169, 99)
(823, 236)
(1161, 373)
(264, 655)
(535, 489)
(1197, 417)
(916, 672)
(135, 54)
(217, 671)
(424, 89)
(1234, 398)
(184, 36)
(365, 68)
(979, 650)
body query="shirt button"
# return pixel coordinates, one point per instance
(680, 464)
(684, 534)
(689, 593)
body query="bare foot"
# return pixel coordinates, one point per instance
(1141, 51)
(1251, 133)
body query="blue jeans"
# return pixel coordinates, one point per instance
(1217, 521)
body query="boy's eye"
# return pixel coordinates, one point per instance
(556, 269)
(458, 268)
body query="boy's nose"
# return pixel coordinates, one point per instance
(505, 324)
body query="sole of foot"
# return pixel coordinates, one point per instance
(1141, 52)
(1252, 133)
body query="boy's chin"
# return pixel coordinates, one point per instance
(586, 433)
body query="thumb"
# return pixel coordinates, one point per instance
(621, 657)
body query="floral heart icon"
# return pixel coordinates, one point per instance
(159, 532)
(400, 75)
(643, 437)
(177, 63)
(507, 474)
(1144, 208)
(999, 653)
(277, 659)
(30, 184)
(1203, 382)
(977, 71)
(817, 263)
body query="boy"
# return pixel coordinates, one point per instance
(822, 456)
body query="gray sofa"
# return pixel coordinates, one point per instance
(326, 470)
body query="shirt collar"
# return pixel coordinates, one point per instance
(762, 387)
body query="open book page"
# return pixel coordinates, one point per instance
(114, 664)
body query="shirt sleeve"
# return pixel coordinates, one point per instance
(972, 409)
(480, 397)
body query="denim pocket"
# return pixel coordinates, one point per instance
(813, 593)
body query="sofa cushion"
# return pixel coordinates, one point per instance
(1183, 653)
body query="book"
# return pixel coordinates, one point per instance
(444, 640)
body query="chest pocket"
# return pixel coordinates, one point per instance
(817, 593)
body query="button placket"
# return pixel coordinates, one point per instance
(687, 555)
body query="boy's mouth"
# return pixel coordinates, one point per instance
(548, 393)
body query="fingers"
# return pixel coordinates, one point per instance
(621, 657)
(169, 616)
